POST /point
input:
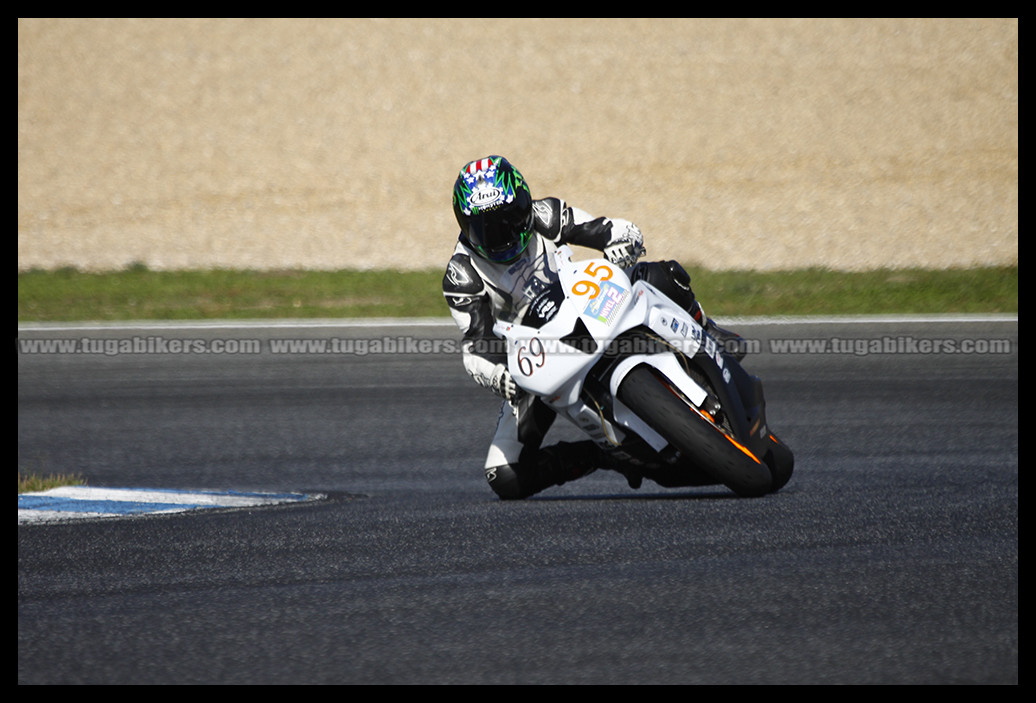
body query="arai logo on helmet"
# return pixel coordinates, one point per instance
(486, 196)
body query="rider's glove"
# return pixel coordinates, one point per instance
(502, 383)
(628, 247)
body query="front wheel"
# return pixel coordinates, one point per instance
(656, 401)
(781, 461)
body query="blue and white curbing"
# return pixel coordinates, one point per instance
(75, 502)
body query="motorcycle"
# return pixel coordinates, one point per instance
(636, 373)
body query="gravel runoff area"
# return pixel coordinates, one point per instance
(321, 143)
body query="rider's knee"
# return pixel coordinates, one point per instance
(504, 482)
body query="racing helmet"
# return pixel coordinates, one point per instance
(493, 206)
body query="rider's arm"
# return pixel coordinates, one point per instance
(620, 240)
(483, 356)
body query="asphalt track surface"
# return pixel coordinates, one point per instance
(890, 558)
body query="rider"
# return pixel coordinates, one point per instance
(501, 268)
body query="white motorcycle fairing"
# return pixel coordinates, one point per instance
(600, 304)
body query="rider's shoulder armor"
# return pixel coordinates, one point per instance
(461, 278)
(551, 217)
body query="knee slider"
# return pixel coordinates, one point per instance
(504, 482)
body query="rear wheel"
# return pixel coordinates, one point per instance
(656, 401)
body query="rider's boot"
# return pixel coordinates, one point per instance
(555, 465)
(560, 463)
(566, 461)
(539, 469)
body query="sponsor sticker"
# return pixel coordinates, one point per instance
(606, 305)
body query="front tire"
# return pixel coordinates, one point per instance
(781, 461)
(701, 443)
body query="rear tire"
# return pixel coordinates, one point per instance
(653, 398)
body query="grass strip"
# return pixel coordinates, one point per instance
(137, 293)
